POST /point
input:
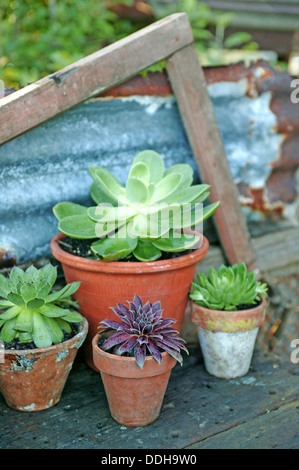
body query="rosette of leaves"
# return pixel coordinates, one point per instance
(145, 217)
(228, 288)
(32, 312)
(142, 332)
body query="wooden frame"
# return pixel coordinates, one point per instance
(171, 39)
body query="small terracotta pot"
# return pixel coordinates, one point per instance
(33, 379)
(134, 395)
(104, 284)
(227, 338)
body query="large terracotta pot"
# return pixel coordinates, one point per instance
(104, 284)
(134, 395)
(227, 338)
(33, 379)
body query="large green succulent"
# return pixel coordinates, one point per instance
(144, 218)
(32, 313)
(227, 289)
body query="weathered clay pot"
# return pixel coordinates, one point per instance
(103, 284)
(33, 379)
(227, 338)
(134, 395)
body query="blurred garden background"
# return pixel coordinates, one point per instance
(39, 37)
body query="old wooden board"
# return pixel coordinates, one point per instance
(92, 75)
(198, 409)
(188, 82)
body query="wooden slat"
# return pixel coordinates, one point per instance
(277, 429)
(277, 252)
(197, 407)
(188, 82)
(255, 7)
(92, 75)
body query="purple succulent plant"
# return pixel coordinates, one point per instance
(142, 331)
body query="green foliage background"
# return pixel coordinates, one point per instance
(39, 37)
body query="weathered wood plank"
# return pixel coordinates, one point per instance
(277, 252)
(196, 407)
(92, 75)
(277, 429)
(189, 85)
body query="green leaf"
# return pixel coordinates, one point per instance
(107, 183)
(183, 169)
(64, 325)
(54, 329)
(236, 39)
(174, 244)
(139, 170)
(78, 226)
(118, 215)
(66, 209)
(41, 335)
(3, 286)
(15, 299)
(48, 273)
(136, 191)
(53, 311)
(154, 162)
(25, 337)
(43, 290)
(188, 195)
(73, 317)
(24, 321)
(113, 249)
(146, 251)
(166, 187)
(100, 196)
(7, 331)
(35, 303)
(5, 304)
(10, 313)
(66, 291)
(31, 272)
(28, 292)
(16, 275)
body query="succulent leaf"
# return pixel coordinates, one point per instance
(136, 210)
(31, 312)
(142, 331)
(66, 209)
(227, 289)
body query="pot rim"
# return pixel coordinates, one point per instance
(123, 266)
(151, 366)
(229, 320)
(70, 343)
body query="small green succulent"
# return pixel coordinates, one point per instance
(32, 313)
(144, 218)
(227, 289)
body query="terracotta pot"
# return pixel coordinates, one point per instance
(227, 338)
(134, 395)
(33, 379)
(104, 284)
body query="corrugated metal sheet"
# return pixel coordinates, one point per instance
(258, 123)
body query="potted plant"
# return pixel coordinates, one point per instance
(228, 307)
(121, 251)
(135, 361)
(41, 333)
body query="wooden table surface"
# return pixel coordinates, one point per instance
(260, 410)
